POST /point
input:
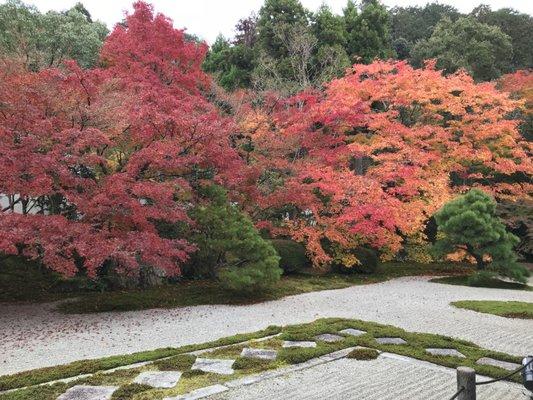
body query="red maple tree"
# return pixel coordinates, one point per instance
(93, 160)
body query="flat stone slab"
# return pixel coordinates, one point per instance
(352, 332)
(216, 366)
(497, 363)
(200, 393)
(82, 392)
(330, 338)
(390, 340)
(290, 343)
(445, 352)
(159, 379)
(263, 354)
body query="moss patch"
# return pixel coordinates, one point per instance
(488, 283)
(254, 364)
(230, 352)
(128, 391)
(363, 354)
(48, 392)
(182, 362)
(509, 309)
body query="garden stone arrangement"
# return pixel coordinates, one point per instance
(159, 379)
(262, 354)
(200, 393)
(329, 338)
(498, 363)
(223, 367)
(254, 359)
(391, 340)
(352, 332)
(303, 344)
(88, 393)
(445, 352)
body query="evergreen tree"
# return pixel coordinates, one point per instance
(469, 223)
(368, 35)
(232, 65)
(417, 23)
(46, 40)
(483, 50)
(328, 28)
(518, 26)
(230, 247)
(275, 17)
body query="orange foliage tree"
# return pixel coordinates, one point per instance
(370, 158)
(520, 86)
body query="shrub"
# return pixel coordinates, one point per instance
(416, 248)
(365, 261)
(363, 354)
(292, 255)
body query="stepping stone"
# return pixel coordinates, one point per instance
(445, 352)
(497, 363)
(289, 343)
(329, 338)
(159, 379)
(352, 332)
(82, 392)
(200, 393)
(390, 340)
(263, 354)
(216, 366)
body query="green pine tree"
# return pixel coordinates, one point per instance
(368, 35)
(470, 223)
(230, 247)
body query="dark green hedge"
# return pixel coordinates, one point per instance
(293, 257)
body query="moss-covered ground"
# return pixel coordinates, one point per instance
(208, 292)
(23, 281)
(494, 283)
(508, 309)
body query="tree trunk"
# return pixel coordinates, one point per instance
(479, 258)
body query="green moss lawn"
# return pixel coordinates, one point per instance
(493, 283)
(26, 282)
(508, 309)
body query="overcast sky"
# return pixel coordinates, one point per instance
(208, 18)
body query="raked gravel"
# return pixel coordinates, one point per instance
(387, 378)
(36, 336)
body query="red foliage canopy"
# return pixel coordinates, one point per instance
(93, 160)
